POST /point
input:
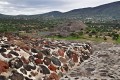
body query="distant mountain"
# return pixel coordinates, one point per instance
(53, 13)
(104, 12)
(111, 10)
(2, 15)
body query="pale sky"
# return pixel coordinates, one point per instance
(30, 7)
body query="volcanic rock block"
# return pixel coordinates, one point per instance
(38, 61)
(47, 61)
(2, 50)
(3, 66)
(39, 56)
(15, 63)
(75, 57)
(63, 60)
(23, 71)
(61, 52)
(14, 53)
(53, 76)
(19, 43)
(52, 68)
(44, 69)
(16, 76)
(56, 61)
(3, 78)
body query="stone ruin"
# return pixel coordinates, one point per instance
(39, 59)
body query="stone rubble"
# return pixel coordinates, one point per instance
(27, 58)
(103, 64)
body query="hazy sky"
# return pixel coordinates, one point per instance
(28, 7)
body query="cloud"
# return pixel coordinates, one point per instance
(29, 7)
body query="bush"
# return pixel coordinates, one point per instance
(104, 38)
(115, 36)
(74, 34)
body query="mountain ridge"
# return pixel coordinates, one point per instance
(105, 11)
